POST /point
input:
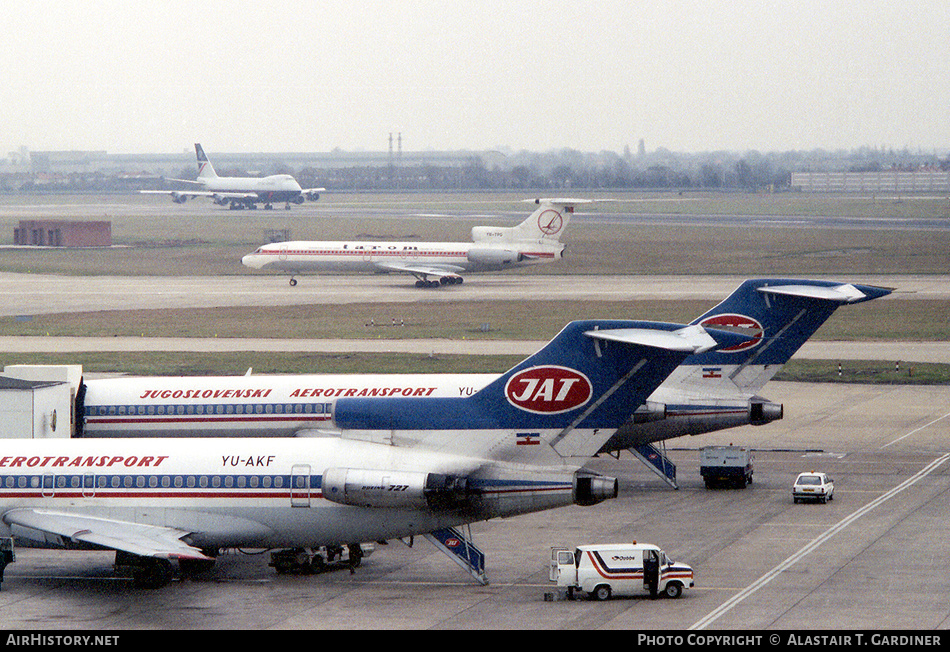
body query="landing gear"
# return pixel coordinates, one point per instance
(445, 280)
(293, 282)
(192, 567)
(146, 572)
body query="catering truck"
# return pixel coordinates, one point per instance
(622, 569)
(726, 465)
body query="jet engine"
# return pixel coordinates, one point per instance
(299, 199)
(762, 412)
(394, 489)
(178, 198)
(593, 489)
(494, 256)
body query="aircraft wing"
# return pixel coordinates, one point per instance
(420, 270)
(134, 538)
(180, 193)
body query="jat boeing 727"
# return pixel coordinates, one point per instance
(240, 192)
(384, 467)
(493, 248)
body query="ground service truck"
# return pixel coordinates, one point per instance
(622, 569)
(726, 465)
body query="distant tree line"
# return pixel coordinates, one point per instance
(750, 171)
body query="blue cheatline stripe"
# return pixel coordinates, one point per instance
(183, 485)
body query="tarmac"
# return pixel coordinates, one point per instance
(876, 558)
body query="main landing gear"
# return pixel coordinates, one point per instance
(156, 572)
(445, 280)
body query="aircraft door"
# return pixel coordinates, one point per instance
(651, 571)
(300, 485)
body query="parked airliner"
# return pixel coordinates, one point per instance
(707, 392)
(240, 192)
(386, 467)
(536, 240)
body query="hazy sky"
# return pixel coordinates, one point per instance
(691, 76)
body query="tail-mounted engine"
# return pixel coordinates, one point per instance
(494, 256)
(762, 412)
(593, 489)
(395, 489)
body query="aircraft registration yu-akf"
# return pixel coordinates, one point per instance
(240, 192)
(708, 392)
(384, 468)
(493, 248)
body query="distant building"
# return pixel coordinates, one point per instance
(63, 233)
(876, 181)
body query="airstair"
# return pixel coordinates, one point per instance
(461, 550)
(657, 461)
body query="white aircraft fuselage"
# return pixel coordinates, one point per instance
(274, 188)
(381, 257)
(535, 240)
(272, 492)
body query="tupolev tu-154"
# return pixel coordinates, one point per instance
(534, 241)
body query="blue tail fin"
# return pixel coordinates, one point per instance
(572, 394)
(779, 315)
(205, 169)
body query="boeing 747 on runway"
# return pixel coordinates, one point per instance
(493, 248)
(240, 192)
(381, 468)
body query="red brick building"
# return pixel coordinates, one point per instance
(63, 233)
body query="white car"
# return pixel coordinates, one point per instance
(813, 486)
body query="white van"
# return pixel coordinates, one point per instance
(624, 569)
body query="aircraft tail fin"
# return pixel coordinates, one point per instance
(205, 169)
(545, 224)
(571, 395)
(779, 315)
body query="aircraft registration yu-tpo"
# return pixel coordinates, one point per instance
(390, 467)
(708, 392)
(493, 248)
(240, 192)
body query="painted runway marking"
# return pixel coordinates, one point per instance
(815, 543)
(914, 431)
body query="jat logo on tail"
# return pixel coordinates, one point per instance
(736, 324)
(548, 389)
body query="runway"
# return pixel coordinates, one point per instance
(933, 352)
(34, 294)
(22, 295)
(875, 558)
